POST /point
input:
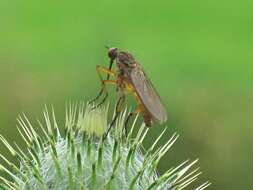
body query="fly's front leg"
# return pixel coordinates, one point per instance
(105, 82)
(109, 72)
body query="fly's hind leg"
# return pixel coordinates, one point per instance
(146, 117)
(139, 108)
(109, 72)
(137, 111)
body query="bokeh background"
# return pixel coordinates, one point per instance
(197, 53)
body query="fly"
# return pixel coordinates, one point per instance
(130, 78)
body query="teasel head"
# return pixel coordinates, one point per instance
(80, 158)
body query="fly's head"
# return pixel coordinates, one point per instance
(123, 59)
(113, 53)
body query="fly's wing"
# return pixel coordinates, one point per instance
(147, 93)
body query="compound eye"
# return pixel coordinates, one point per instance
(112, 53)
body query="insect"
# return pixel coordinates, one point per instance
(130, 78)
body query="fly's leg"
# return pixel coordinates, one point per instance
(119, 107)
(109, 72)
(98, 95)
(138, 110)
(100, 70)
(146, 117)
(104, 82)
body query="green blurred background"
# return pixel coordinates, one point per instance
(197, 53)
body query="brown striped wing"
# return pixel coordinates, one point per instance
(147, 93)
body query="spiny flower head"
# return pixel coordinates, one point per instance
(81, 159)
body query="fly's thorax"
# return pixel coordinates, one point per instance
(123, 71)
(126, 59)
